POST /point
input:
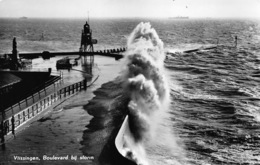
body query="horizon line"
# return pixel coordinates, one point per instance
(126, 17)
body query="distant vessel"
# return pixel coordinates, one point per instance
(179, 17)
(23, 18)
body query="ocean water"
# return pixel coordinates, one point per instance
(213, 116)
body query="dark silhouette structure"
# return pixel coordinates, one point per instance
(14, 57)
(87, 41)
(235, 41)
(13, 125)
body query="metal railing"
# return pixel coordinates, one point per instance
(24, 115)
(33, 96)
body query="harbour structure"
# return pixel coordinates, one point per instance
(86, 51)
(21, 110)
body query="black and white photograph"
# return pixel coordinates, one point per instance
(130, 82)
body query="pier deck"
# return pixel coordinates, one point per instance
(46, 54)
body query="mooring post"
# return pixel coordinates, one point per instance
(235, 41)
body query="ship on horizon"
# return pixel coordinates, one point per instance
(23, 17)
(179, 17)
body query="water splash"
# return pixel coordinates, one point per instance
(145, 81)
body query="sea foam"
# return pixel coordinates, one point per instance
(145, 82)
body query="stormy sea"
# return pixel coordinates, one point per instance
(195, 107)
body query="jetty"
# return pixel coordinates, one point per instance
(115, 53)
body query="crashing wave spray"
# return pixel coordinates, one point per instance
(146, 84)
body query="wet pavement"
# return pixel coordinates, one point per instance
(58, 131)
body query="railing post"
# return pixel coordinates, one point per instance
(60, 74)
(12, 109)
(19, 119)
(23, 116)
(39, 94)
(48, 101)
(36, 108)
(19, 105)
(39, 107)
(43, 103)
(3, 115)
(45, 91)
(33, 110)
(28, 111)
(33, 97)
(59, 93)
(26, 102)
(85, 84)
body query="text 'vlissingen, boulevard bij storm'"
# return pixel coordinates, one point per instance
(52, 158)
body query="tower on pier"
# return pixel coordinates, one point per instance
(87, 43)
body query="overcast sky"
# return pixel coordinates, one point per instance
(130, 8)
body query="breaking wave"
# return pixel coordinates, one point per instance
(145, 82)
